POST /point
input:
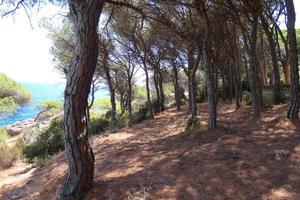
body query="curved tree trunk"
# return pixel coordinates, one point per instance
(79, 180)
(293, 109)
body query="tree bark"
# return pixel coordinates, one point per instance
(192, 95)
(112, 98)
(150, 107)
(276, 72)
(293, 109)
(79, 180)
(156, 80)
(176, 86)
(209, 70)
(255, 86)
(161, 91)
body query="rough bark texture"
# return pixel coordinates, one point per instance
(276, 81)
(150, 107)
(161, 91)
(209, 71)
(79, 180)
(293, 109)
(112, 98)
(255, 86)
(176, 86)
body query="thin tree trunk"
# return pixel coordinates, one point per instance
(150, 107)
(192, 95)
(80, 175)
(129, 103)
(161, 91)
(112, 99)
(209, 71)
(176, 87)
(276, 73)
(236, 71)
(293, 109)
(155, 77)
(263, 64)
(254, 75)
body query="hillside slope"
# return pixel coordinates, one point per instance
(156, 160)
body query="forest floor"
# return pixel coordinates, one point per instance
(243, 159)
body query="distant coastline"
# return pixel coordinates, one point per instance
(40, 92)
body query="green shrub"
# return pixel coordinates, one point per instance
(155, 106)
(192, 126)
(8, 106)
(104, 104)
(50, 105)
(3, 135)
(10, 88)
(48, 143)
(141, 114)
(123, 119)
(267, 97)
(98, 125)
(285, 94)
(246, 98)
(10, 153)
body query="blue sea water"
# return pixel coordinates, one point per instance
(40, 92)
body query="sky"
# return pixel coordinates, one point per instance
(25, 48)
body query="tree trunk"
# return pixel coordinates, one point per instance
(192, 95)
(155, 77)
(224, 94)
(263, 64)
(237, 80)
(129, 103)
(150, 107)
(161, 91)
(293, 109)
(254, 75)
(112, 99)
(79, 180)
(230, 83)
(276, 73)
(209, 71)
(176, 87)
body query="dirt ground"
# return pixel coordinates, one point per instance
(241, 160)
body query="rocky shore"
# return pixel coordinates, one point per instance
(29, 129)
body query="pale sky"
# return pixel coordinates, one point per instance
(24, 50)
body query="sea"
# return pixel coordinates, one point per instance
(41, 92)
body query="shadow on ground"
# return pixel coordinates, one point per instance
(243, 159)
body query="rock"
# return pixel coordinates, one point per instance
(279, 153)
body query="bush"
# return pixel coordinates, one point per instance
(10, 88)
(105, 104)
(141, 114)
(50, 105)
(8, 106)
(192, 126)
(48, 143)
(246, 98)
(10, 153)
(3, 135)
(7, 156)
(267, 97)
(98, 125)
